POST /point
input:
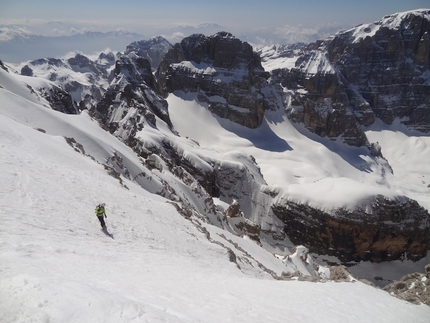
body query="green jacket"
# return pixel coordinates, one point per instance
(100, 211)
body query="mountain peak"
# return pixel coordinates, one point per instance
(405, 20)
(224, 34)
(152, 49)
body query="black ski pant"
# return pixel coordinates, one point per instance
(102, 221)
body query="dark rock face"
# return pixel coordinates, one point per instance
(319, 98)
(130, 102)
(107, 59)
(81, 62)
(3, 67)
(153, 50)
(389, 68)
(225, 72)
(26, 71)
(235, 217)
(59, 100)
(377, 70)
(392, 230)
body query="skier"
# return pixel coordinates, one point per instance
(100, 212)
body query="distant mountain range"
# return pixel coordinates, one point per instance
(21, 46)
(19, 43)
(24, 42)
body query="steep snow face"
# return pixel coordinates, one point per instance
(179, 169)
(22, 86)
(39, 91)
(407, 158)
(57, 266)
(315, 62)
(295, 56)
(273, 57)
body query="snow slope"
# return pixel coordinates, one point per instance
(308, 168)
(57, 266)
(408, 153)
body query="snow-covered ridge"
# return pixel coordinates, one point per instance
(311, 62)
(391, 21)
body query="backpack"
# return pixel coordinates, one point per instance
(100, 210)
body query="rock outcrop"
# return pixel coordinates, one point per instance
(130, 101)
(383, 230)
(153, 50)
(386, 63)
(377, 70)
(224, 71)
(59, 100)
(414, 288)
(318, 97)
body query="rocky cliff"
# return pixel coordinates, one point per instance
(152, 49)
(384, 230)
(386, 63)
(377, 70)
(225, 72)
(130, 101)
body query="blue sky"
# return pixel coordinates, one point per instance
(239, 17)
(225, 12)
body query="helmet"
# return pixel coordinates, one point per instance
(103, 204)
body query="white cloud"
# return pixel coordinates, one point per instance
(300, 33)
(175, 37)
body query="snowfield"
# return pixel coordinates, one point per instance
(57, 266)
(310, 169)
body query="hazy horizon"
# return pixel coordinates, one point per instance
(257, 22)
(282, 18)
